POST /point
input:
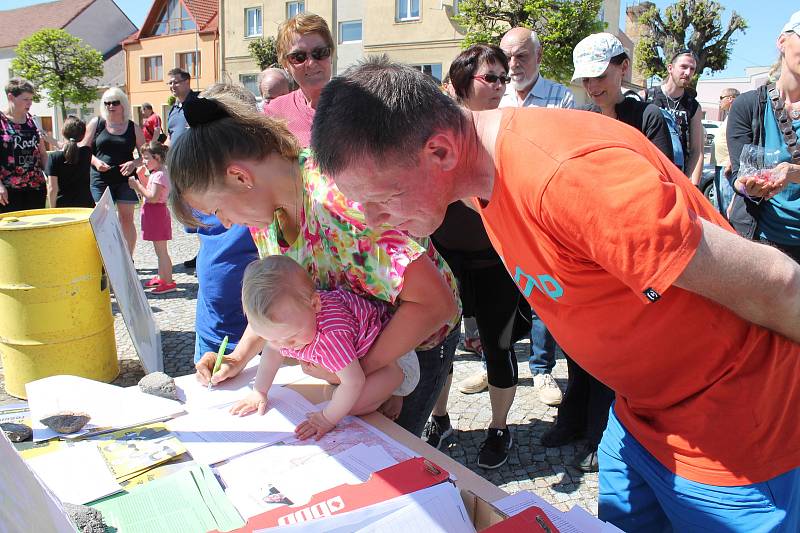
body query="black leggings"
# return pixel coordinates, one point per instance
(497, 306)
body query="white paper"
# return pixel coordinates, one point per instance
(128, 290)
(28, 505)
(437, 508)
(584, 521)
(108, 405)
(214, 435)
(363, 460)
(518, 502)
(198, 396)
(76, 474)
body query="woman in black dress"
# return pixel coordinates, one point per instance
(113, 138)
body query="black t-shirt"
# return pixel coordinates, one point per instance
(114, 150)
(462, 239)
(73, 180)
(683, 109)
(646, 118)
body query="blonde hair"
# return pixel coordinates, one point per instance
(301, 24)
(268, 281)
(199, 158)
(115, 93)
(234, 89)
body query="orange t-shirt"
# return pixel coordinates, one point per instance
(595, 225)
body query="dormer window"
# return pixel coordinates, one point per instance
(173, 19)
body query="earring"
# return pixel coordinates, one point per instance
(249, 186)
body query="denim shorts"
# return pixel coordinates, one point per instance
(121, 193)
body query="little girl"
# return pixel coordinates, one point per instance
(68, 169)
(156, 221)
(333, 329)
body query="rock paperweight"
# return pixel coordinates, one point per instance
(16, 432)
(86, 519)
(159, 384)
(66, 422)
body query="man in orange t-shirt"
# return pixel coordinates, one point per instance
(634, 272)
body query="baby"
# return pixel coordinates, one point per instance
(333, 329)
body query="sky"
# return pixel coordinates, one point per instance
(756, 47)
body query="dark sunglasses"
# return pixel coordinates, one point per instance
(492, 78)
(112, 102)
(300, 57)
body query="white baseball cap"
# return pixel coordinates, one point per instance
(592, 55)
(793, 24)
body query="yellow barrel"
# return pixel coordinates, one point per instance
(55, 306)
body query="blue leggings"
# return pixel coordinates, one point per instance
(637, 493)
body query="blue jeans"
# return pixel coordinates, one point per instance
(434, 366)
(724, 191)
(637, 493)
(543, 347)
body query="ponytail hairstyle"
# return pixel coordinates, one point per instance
(73, 131)
(155, 148)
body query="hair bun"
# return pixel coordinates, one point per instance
(199, 111)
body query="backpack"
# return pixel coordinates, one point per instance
(679, 157)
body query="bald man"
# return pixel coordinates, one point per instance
(272, 83)
(528, 88)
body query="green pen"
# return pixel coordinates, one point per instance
(218, 362)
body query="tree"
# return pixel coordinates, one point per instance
(665, 35)
(560, 25)
(62, 65)
(264, 51)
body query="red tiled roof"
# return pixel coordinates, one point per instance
(17, 24)
(204, 13)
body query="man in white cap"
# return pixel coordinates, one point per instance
(528, 88)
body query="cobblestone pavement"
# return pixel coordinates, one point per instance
(545, 471)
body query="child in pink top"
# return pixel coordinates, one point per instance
(333, 329)
(156, 220)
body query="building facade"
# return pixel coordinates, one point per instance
(418, 32)
(175, 33)
(80, 19)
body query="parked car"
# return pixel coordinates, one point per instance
(711, 128)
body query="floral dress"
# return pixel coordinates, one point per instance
(339, 250)
(20, 161)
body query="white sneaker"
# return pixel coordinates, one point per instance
(549, 393)
(477, 382)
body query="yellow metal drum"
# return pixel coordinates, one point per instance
(55, 306)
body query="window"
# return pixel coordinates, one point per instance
(173, 19)
(294, 9)
(251, 82)
(190, 62)
(350, 32)
(407, 9)
(152, 69)
(252, 22)
(434, 70)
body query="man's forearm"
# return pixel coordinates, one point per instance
(696, 166)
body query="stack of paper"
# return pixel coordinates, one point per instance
(76, 474)
(435, 509)
(189, 500)
(577, 520)
(131, 452)
(212, 435)
(109, 406)
(197, 396)
(257, 482)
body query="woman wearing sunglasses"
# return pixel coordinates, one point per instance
(479, 76)
(113, 136)
(305, 46)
